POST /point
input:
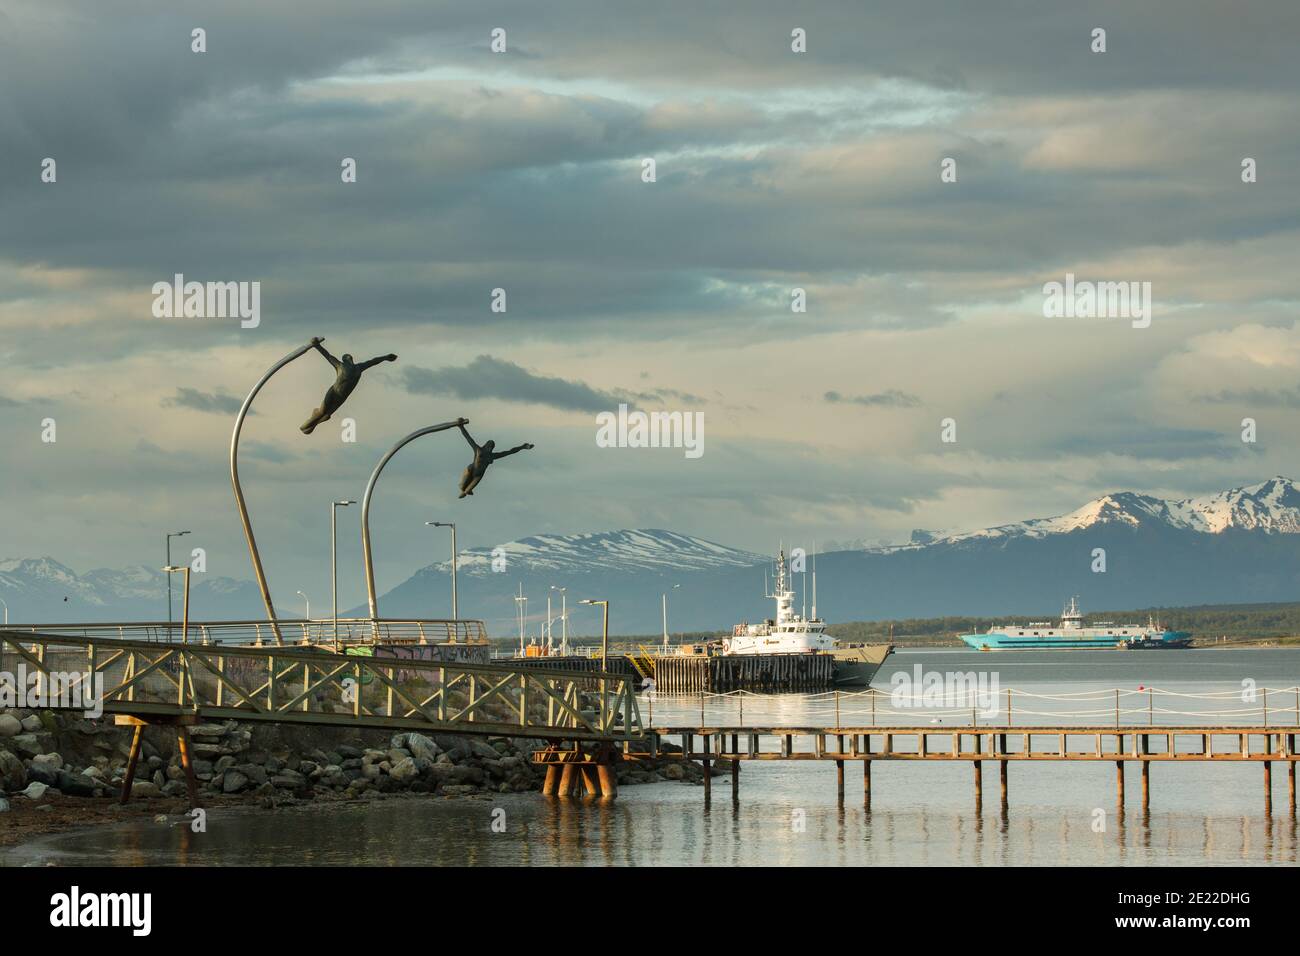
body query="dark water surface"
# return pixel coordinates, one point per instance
(922, 814)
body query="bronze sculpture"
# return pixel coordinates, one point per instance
(483, 456)
(347, 375)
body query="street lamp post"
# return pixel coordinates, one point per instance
(521, 603)
(2, 601)
(564, 619)
(334, 561)
(308, 600)
(173, 534)
(665, 596)
(604, 652)
(455, 607)
(185, 604)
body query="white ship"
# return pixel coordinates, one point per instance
(788, 633)
(792, 633)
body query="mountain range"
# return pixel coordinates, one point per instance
(1241, 545)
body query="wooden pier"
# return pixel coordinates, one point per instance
(1144, 745)
(763, 673)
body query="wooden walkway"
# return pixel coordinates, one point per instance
(1142, 744)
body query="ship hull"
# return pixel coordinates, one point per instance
(1008, 642)
(856, 666)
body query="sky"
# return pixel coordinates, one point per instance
(523, 170)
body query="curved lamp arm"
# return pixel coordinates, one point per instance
(365, 511)
(239, 492)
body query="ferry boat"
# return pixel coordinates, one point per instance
(1072, 634)
(792, 633)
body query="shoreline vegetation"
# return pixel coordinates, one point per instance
(61, 771)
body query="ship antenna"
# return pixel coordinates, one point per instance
(814, 580)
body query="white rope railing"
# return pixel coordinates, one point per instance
(1257, 706)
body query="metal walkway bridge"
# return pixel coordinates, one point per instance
(314, 685)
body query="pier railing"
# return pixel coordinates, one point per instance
(299, 631)
(1003, 707)
(313, 685)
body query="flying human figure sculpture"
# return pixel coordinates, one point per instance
(347, 375)
(483, 456)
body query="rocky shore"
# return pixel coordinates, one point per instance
(59, 769)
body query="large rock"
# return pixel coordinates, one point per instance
(44, 773)
(13, 775)
(421, 746)
(76, 784)
(10, 726)
(32, 724)
(403, 770)
(53, 761)
(4, 805)
(145, 788)
(233, 782)
(30, 745)
(35, 791)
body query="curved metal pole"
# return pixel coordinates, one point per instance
(239, 492)
(365, 511)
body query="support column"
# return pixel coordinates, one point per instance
(866, 784)
(1268, 788)
(979, 784)
(1290, 784)
(607, 779)
(1146, 786)
(183, 747)
(839, 781)
(552, 782)
(134, 758)
(735, 781)
(1002, 783)
(708, 776)
(1119, 784)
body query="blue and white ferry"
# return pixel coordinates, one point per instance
(1072, 634)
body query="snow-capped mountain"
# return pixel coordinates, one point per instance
(43, 589)
(1271, 506)
(630, 551)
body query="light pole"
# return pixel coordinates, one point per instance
(308, 600)
(522, 603)
(564, 619)
(604, 651)
(185, 605)
(365, 513)
(673, 588)
(334, 561)
(455, 608)
(173, 534)
(2, 601)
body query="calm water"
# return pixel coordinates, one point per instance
(922, 814)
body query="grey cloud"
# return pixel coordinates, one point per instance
(217, 402)
(492, 378)
(1262, 397)
(891, 398)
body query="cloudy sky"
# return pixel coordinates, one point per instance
(522, 170)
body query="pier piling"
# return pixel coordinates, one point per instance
(839, 781)
(1119, 784)
(1268, 788)
(1002, 783)
(979, 784)
(866, 784)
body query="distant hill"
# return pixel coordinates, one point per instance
(1237, 547)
